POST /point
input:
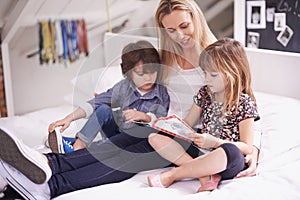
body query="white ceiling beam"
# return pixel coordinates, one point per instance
(217, 9)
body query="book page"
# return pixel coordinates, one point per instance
(175, 126)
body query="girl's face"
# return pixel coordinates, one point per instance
(180, 27)
(215, 81)
(144, 81)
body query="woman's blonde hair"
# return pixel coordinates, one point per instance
(228, 57)
(203, 36)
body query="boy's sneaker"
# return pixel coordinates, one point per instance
(24, 186)
(68, 144)
(28, 161)
(60, 144)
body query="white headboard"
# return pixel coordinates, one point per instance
(272, 71)
(113, 44)
(275, 72)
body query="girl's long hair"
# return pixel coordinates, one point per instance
(228, 57)
(170, 51)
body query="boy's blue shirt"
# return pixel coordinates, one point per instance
(124, 95)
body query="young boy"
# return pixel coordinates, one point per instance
(138, 97)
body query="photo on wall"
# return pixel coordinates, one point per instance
(279, 21)
(285, 36)
(253, 40)
(270, 13)
(256, 14)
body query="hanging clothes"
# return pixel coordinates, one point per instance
(59, 42)
(65, 41)
(52, 41)
(47, 41)
(82, 38)
(74, 39)
(85, 39)
(62, 41)
(41, 44)
(71, 51)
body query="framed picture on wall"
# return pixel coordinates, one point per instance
(285, 35)
(270, 13)
(256, 14)
(279, 21)
(253, 39)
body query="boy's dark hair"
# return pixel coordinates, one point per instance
(143, 51)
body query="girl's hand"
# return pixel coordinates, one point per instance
(198, 139)
(134, 115)
(205, 140)
(64, 123)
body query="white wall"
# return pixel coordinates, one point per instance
(36, 86)
(274, 72)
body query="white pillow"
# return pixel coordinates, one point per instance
(94, 81)
(280, 125)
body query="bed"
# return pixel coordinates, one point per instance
(277, 177)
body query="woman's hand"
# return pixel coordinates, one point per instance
(64, 123)
(251, 160)
(134, 115)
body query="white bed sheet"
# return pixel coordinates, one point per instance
(32, 128)
(278, 170)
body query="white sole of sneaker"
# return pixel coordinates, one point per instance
(13, 153)
(21, 189)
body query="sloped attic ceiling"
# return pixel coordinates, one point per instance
(16, 14)
(5, 9)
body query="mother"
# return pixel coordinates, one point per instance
(183, 33)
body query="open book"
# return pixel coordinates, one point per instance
(173, 125)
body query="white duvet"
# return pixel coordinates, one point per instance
(278, 170)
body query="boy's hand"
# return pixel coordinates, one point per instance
(64, 123)
(134, 115)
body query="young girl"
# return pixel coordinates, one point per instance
(228, 110)
(138, 97)
(184, 33)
